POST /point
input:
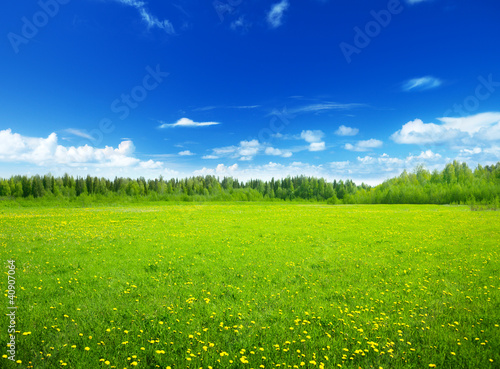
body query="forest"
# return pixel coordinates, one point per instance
(455, 184)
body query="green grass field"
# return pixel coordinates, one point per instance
(253, 286)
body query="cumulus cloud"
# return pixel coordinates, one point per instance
(366, 145)
(186, 122)
(312, 136)
(425, 155)
(46, 151)
(186, 153)
(277, 152)
(418, 132)
(150, 164)
(150, 20)
(275, 15)
(474, 151)
(314, 139)
(317, 146)
(220, 170)
(480, 127)
(471, 124)
(346, 131)
(244, 151)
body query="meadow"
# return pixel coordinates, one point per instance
(253, 286)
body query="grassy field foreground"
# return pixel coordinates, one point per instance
(253, 286)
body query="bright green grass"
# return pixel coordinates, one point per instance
(254, 285)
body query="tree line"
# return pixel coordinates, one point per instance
(456, 183)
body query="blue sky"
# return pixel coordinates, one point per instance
(249, 89)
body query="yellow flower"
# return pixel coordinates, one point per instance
(107, 362)
(87, 348)
(432, 365)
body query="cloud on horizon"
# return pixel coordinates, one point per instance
(15, 148)
(481, 127)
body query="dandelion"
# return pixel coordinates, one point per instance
(87, 348)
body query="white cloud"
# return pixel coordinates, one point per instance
(47, 152)
(314, 139)
(346, 131)
(421, 84)
(210, 157)
(325, 106)
(79, 133)
(249, 148)
(418, 132)
(150, 164)
(366, 145)
(148, 18)
(186, 153)
(240, 23)
(425, 155)
(185, 122)
(471, 124)
(312, 136)
(275, 15)
(475, 128)
(317, 146)
(277, 152)
(220, 170)
(475, 150)
(340, 165)
(245, 150)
